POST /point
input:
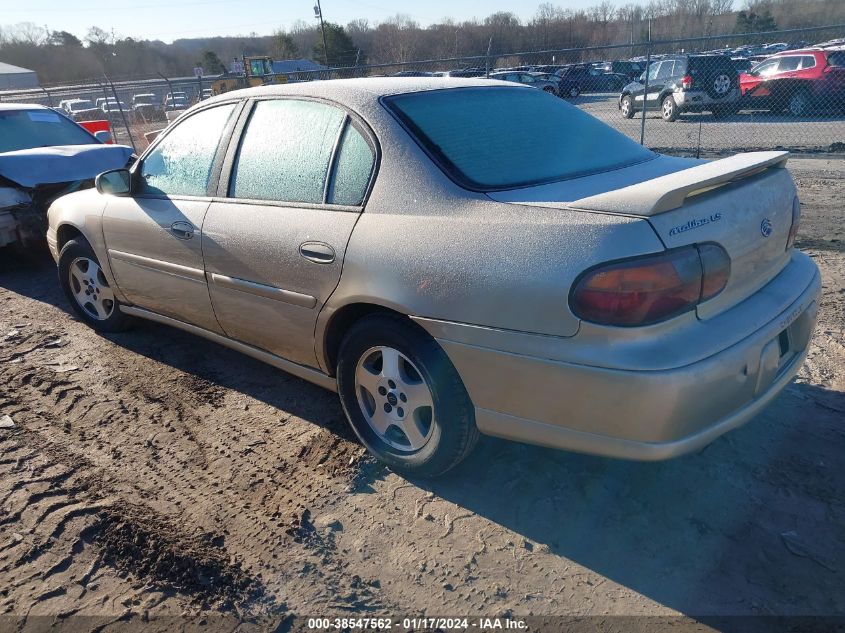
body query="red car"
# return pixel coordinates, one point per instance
(796, 81)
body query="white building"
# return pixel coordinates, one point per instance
(15, 77)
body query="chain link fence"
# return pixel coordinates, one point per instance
(774, 90)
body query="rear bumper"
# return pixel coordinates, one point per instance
(644, 415)
(692, 100)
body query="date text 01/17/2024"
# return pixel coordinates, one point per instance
(381, 624)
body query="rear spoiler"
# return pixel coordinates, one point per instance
(665, 193)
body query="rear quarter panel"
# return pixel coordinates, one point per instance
(484, 263)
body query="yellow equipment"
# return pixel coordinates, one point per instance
(258, 71)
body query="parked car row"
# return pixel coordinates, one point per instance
(143, 107)
(548, 82)
(793, 81)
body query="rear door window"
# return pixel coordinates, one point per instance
(285, 151)
(353, 168)
(808, 61)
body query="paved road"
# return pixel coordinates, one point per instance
(746, 130)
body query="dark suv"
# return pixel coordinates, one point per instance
(685, 83)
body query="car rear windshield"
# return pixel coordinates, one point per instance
(492, 138)
(26, 129)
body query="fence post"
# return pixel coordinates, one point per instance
(164, 103)
(487, 59)
(645, 93)
(122, 113)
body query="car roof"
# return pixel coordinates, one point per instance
(359, 90)
(22, 106)
(797, 51)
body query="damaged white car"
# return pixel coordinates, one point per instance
(44, 155)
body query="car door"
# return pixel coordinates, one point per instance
(755, 90)
(154, 236)
(639, 93)
(657, 85)
(275, 237)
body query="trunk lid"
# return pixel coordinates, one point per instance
(743, 203)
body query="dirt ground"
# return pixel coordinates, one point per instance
(153, 473)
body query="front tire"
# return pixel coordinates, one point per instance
(403, 397)
(87, 288)
(669, 109)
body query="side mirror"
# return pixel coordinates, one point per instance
(117, 182)
(104, 136)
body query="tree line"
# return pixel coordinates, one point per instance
(59, 56)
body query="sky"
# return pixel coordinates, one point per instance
(158, 19)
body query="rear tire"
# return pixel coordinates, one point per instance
(669, 109)
(799, 104)
(626, 107)
(403, 397)
(87, 289)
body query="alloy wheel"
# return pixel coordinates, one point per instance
(90, 288)
(394, 398)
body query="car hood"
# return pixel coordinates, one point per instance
(62, 163)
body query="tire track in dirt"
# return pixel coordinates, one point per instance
(176, 445)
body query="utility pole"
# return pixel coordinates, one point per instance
(318, 13)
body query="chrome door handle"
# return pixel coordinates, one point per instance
(317, 252)
(182, 230)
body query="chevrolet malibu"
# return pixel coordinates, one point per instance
(449, 273)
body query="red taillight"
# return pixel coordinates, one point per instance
(650, 289)
(796, 221)
(686, 82)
